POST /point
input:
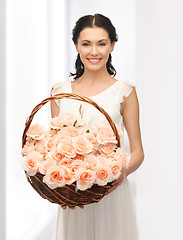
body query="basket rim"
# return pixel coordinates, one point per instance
(69, 96)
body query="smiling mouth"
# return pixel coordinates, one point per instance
(94, 60)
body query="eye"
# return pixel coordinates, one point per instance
(102, 44)
(85, 44)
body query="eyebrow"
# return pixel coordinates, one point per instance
(98, 41)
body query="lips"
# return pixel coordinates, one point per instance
(94, 60)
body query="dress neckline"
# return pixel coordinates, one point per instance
(105, 90)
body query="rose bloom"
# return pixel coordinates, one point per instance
(68, 176)
(54, 177)
(56, 123)
(122, 156)
(66, 148)
(108, 149)
(91, 138)
(31, 162)
(103, 159)
(44, 166)
(106, 135)
(75, 165)
(66, 162)
(82, 145)
(53, 132)
(40, 147)
(72, 131)
(55, 155)
(84, 178)
(27, 148)
(79, 157)
(36, 131)
(65, 119)
(61, 135)
(49, 144)
(103, 175)
(116, 168)
(91, 162)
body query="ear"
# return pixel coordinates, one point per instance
(112, 46)
(76, 46)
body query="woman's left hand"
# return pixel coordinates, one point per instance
(118, 181)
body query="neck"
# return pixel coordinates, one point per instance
(95, 76)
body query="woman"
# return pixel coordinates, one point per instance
(114, 216)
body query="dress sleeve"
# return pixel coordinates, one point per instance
(125, 89)
(57, 88)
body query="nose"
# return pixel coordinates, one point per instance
(94, 51)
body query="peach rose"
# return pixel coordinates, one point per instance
(40, 147)
(122, 156)
(44, 166)
(91, 162)
(103, 160)
(61, 135)
(31, 162)
(68, 176)
(72, 131)
(75, 165)
(82, 145)
(84, 178)
(49, 144)
(66, 162)
(55, 155)
(116, 168)
(64, 120)
(66, 148)
(54, 177)
(94, 141)
(108, 149)
(103, 175)
(27, 148)
(36, 131)
(106, 135)
(79, 157)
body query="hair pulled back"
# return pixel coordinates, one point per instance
(97, 20)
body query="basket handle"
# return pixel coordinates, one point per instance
(70, 96)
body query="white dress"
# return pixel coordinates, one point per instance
(113, 217)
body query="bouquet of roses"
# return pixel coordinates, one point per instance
(70, 151)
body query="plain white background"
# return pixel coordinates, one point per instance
(36, 50)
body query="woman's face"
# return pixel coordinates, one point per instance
(94, 46)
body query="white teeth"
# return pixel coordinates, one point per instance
(94, 60)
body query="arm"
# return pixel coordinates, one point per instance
(130, 113)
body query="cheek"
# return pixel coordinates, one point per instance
(104, 52)
(83, 51)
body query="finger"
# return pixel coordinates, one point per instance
(113, 183)
(64, 207)
(81, 206)
(72, 207)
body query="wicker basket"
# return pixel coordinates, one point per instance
(66, 195)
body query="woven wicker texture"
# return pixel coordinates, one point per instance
(66, 195)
